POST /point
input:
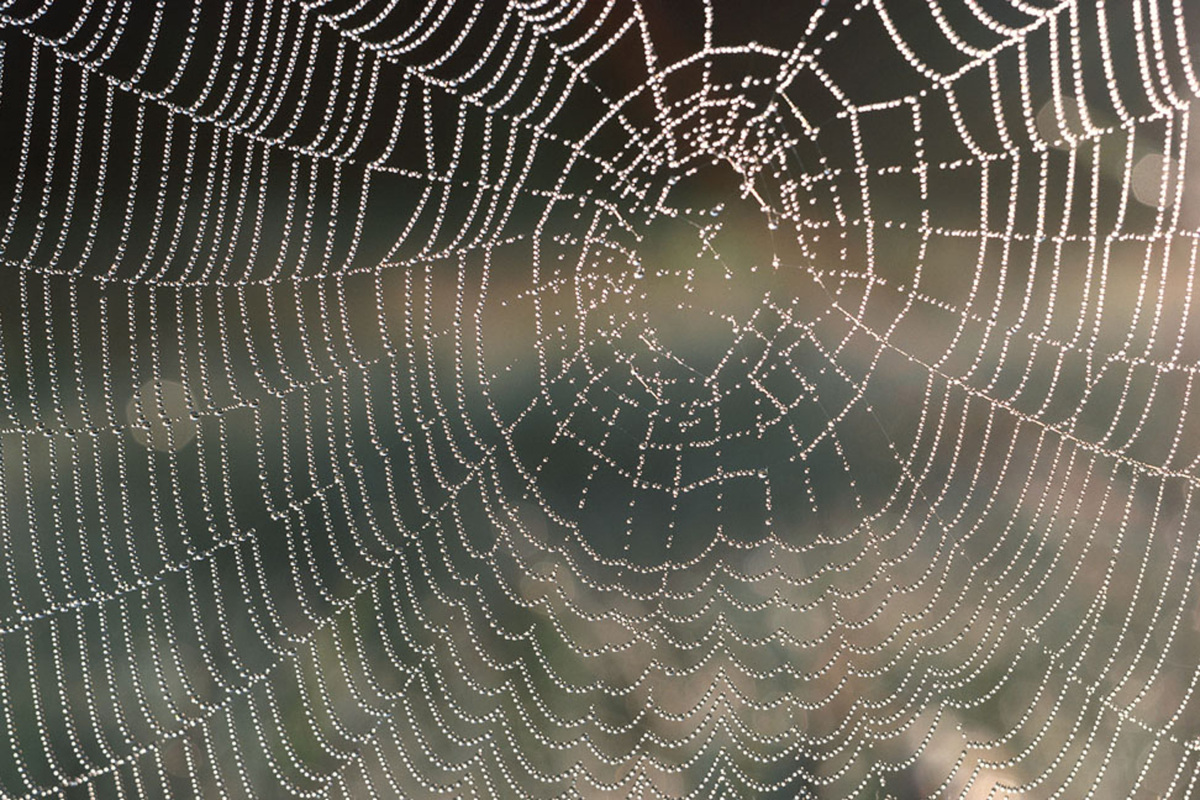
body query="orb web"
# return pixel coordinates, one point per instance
(598, 399)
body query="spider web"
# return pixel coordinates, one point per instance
(598, 399)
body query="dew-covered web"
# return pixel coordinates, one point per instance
(614, 398)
